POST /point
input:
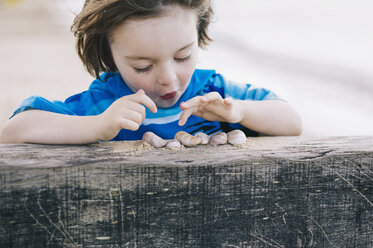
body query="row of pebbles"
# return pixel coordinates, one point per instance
(235, 137)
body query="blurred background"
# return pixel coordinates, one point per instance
(316, 54)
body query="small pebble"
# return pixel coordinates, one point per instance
(187, 139)
(204, 138)
(173, 144)
(154, 140)
(218, 139)
(236, 137)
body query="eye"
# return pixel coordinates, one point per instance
(183, 59)
(142, 70)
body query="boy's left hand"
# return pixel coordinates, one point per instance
(211, 107)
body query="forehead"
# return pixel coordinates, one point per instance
(173, 28)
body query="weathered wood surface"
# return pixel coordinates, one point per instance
(271, 192)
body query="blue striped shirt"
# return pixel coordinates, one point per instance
(110, 87)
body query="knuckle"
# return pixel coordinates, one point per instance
(142, 109)
(139, 117)
(136, 126)
(133, 126)
(215, 94)
(211, 94)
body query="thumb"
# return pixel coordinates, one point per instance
(228, 101)
(140, 92)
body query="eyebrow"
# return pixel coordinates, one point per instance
(148, 58)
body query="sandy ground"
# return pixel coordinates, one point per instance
(315, 54)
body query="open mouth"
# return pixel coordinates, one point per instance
(169, 96)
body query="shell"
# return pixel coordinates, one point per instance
(187, 139)
(154, 140)
(173, 144)
(204, 138)
(236, 137)
(218, 139)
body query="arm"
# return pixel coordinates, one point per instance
(270, 117)
(36, 126)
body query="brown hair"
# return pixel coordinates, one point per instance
(94, 24)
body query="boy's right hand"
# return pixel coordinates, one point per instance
(127, 112)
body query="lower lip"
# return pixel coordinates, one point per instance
(169, 96)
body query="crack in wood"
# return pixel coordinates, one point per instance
(320, 155)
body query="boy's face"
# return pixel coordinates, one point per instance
(158, 54)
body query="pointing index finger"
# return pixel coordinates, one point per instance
(142, 98)
(195, 101)
(186, 114)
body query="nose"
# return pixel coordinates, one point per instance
(167, 75)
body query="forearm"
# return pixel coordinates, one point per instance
(271, 117)
(35, 126)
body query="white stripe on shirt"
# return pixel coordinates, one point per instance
(162, 120)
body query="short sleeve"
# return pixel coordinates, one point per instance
(240, 91)
(82, 104)
(40, 103)
(100, 95)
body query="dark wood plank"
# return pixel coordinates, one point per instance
(270, 192)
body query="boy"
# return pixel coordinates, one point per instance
(147, 54)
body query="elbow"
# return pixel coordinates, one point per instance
(297, 129)
(9, 134)
(296, 126)
(289, 129)
(4, 136)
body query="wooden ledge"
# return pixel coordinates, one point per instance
(132, 153)
(270, 192)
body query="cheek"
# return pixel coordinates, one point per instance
(188, 73)
(134, 80)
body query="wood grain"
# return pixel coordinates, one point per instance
(270, 192)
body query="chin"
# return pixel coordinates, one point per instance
(166, 104)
